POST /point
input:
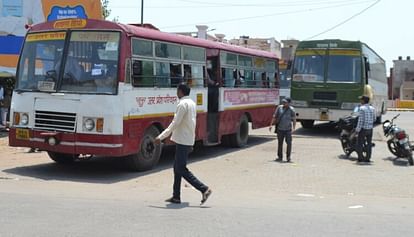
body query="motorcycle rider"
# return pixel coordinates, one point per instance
(366, 118)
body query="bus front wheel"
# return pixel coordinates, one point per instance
(307, 123)
(149, 153)
(239, 139)
(62, 158)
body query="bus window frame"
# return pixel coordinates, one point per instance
(65, 55)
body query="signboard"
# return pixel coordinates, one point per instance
(235, 98)
(15, 15)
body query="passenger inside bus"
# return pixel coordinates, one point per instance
(106, 83)
(175, 74)
(73, 69)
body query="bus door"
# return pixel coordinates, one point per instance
(213, 99)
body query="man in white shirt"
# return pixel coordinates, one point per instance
(182, 129)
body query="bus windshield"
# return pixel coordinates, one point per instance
(344, 68)
(88, 64)
(309, 66)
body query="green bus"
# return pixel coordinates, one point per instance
(329, 75)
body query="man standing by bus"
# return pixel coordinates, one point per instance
(285, 120)
(366, 118)
(182, 129)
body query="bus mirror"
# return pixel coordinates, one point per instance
(367, 66)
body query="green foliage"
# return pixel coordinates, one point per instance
(7, 82)
(105, 10)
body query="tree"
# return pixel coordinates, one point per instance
(105, 10)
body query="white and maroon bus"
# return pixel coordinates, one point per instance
(92, 87)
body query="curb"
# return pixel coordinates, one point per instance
(400, 109)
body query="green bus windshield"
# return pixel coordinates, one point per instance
(317, 66)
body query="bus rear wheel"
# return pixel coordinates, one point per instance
(239, 139)
(149, 153)
(307, 123)
(62, 158)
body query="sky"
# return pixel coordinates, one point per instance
(387, 26)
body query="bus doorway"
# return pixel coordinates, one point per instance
(212, 77)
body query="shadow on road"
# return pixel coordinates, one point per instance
(3, 133)
(113, 170)
(326, 130)
(178, 206)
(398, 161)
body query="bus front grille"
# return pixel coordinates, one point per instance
(324, 95)
(55, 121)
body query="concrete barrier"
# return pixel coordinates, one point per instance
(400, 105)
(405, 104)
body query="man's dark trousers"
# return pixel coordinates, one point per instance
(180, 170)
(364, 135)
(287, 136)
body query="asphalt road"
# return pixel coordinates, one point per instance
(322, 193)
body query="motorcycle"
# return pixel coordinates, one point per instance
(348, 136)
(398, 143)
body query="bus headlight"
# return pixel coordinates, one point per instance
(349, 106)
(89, 124)
(24, 119)
(299, 103)
(20, 119)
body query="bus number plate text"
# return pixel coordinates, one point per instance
(22, 134)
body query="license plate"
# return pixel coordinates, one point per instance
(324, 116)
(22, 134)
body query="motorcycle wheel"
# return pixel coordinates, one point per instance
(365, 151)
(345, 146)
(393, 149)
(410, 159)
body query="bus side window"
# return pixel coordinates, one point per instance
(228, 76)
(128, 71)
(175, 74)
(142, 73)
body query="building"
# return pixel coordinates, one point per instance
(403, 79)
(265, 44)
(284, 50)
(202, 33)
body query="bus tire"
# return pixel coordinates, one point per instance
(62, 158)
(148, 155)
(239, 139)
(307, 123)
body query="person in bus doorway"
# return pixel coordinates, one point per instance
(284, 118)
(2, 106)
(366, 118)
(182, 129)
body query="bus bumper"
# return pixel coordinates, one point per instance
(69, 143)
(321, 114)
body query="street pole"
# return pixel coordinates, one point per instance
(142, 12)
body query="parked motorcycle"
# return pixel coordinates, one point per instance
(398, 143)
(348, 136)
